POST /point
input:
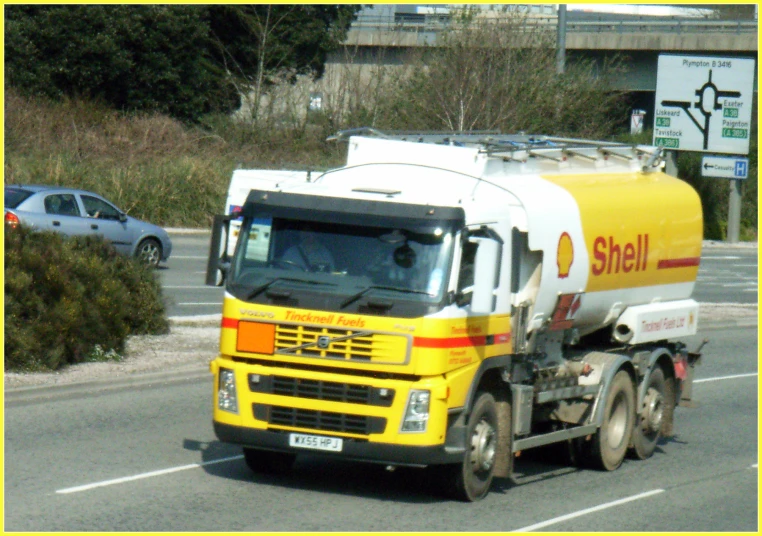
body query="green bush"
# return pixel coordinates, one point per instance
(73, 300)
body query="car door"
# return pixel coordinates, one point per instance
(62, 214)
(106, 220)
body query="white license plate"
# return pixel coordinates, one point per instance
(304, 441)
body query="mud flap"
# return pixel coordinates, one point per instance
(504, 455)
(685, 363)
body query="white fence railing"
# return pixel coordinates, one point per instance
(439, 22)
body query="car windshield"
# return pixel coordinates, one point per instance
(15, 196)
(338, 266)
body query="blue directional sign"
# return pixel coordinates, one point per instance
(726, 167)
(741, 168)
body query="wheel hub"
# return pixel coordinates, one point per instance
(483, 447)
(653, 411)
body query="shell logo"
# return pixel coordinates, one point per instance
(564, 255)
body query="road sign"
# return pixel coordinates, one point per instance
(727, 167)
(704, 103)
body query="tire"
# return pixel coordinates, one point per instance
(268, 462)
(609, 445)
(470, 480)
(647, 431)
(149, 252)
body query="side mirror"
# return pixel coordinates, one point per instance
(122, 217)
(486, 270)
(218, 263)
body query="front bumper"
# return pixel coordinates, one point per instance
(353, 449)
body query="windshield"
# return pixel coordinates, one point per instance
(340, 267)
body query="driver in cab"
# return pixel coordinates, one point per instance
(310, 254)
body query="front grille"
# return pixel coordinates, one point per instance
(339, 392)
(331, 343)
(321, 390)
(326, 421)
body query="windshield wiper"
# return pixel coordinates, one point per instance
(364, 291)
(260, 289)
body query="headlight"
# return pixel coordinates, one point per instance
(417, 411)
(226, 394)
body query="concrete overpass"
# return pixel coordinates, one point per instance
(389, 40)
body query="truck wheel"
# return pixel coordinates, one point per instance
(267, 461)
(470, 481)
(609, 445)
(647, 431)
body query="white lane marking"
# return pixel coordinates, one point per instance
(144, 475)
(199, 303)
(581, 513)
(754, 466)
(733, 377)
(189, 257)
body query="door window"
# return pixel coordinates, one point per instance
(466, 271)
(62, 204)
(98, 208)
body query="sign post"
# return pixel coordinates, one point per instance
(704, 104)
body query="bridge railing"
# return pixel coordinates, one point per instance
(434, 23)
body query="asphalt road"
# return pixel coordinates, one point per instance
(146, 459)
(727, 274)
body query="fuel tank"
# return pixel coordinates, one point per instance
(613, 240)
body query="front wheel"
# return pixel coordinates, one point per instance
(149, 252)
(470, 480)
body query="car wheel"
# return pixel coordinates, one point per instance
(149, 252)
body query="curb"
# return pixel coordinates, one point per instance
(183, 231)
(16, 396)
(721, 244)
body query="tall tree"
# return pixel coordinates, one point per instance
(258, 43)
(500, 74)
(184, 60)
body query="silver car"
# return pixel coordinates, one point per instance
(79, 212)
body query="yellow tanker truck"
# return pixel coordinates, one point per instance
(450, 300)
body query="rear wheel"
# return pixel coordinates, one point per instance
(149, 252)
(470, 480)
(647, 431)
(608, 446)
(267, 461)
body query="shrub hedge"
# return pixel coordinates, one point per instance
(73, 300)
